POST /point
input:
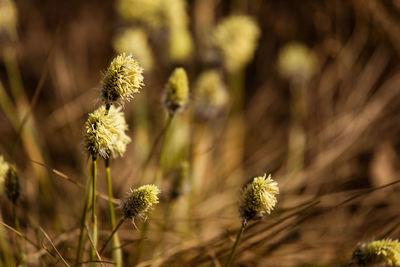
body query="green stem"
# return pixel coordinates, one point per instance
(238, 237)
(20, 245)
(117, 253)
(112, 234)
(81, 244)
(94, 224)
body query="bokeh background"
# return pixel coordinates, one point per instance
(316, 105)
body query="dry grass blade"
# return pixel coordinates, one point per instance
(54, 247)
(95, 249)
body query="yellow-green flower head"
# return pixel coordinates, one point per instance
(177, 90)
(210, 93)
(148, 12)
(134, 41)
(175, 14)
(11, 184)
(236, 37)
(4, 166)
(105, 132)
(180, 44)
(122, 79)
(384, 251)
(8, 17)
(258, 198)
(140, 201)
(296, 62)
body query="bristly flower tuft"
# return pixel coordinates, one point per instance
(11, 184)
(258, 198)
(140, 201)
(385, 251)
(122, 80)
(177, 90)
(105, 132)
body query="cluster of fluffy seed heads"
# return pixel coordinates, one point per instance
(210, 93)
(177, 90)
(140, 201)
(384, 251)
(105, 132)
(122, 79)
(236, 37)
(9, 176)
(296, 62)
(258, 198)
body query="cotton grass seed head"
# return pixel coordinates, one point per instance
(122, 79)
(11, 184)
(8, 18)
(384, 251)
(210, 94)
(258, 198)
(177, 90)
(236, 37)
(296, 62)
(105, 132)
(148, 12)
(140, 202)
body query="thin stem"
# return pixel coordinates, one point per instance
(117, 253)
(18, 228)
(81, 244)
(94, 224)
(238, 237)
(112, 234)
(159, 136)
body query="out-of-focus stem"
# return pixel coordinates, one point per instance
(238, 237)
(117, 252)
(94, 223)
(22, 254)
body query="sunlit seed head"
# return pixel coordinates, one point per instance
(237, 37)
(122, 79)
(140, 201)
(11, 184)
(296, 62)
(177, 90)
(105, 133)
(180, 44)
(8, 18)
(4, 166)
(148, 12)
(258, 198)
(175, 14)
(210, 93)
(384, 251)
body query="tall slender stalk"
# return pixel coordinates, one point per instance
(81, 244)
(112, 235)
(117, 252)
(238, 237)
(94, 223)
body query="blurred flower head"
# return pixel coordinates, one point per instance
(8, 18)
(209, 93)
(140, 201)
(296, 62)
(105, 132)
(180, 44)
(148, 12)
(122, 79)
(258, 198)
(134, 41)
(236, 37)
(11, 184)
(177, 90)
(384, 251)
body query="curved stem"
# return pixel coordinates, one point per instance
(111, 235)
(18, 228)
(117, 253)
(238, 237)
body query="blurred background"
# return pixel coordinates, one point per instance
(309, 92)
